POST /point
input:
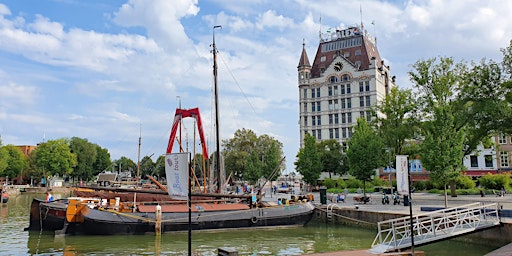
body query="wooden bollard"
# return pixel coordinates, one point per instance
(158, 223)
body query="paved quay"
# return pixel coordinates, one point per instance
(418, 200)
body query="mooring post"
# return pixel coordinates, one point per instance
(158, 223)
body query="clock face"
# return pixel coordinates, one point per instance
(338, 66)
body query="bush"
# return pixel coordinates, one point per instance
(465, 182)
(377, 182)
(341, 183)
(329, 183)
(497, 181)
(420, 185)
(354, 183)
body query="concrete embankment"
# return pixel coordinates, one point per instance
(368, 215)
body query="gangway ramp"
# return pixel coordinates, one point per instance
(395, 234)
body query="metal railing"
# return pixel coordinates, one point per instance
(395, 234)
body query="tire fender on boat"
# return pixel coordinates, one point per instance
(254, 220)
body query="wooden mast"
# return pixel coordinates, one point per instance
(220, 176)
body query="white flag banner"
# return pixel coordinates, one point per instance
(176, 171)
(402, 175)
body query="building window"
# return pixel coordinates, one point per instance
(368, 116)
(350, 132)
(305, 93)
(322, 59)
(305, 121)
(336, 105)
(318, 92)
(488, 161)
(342, 103)
(313, 105)
(345, 78)
(361, 114)
(342, 89)
(305, 107)
(336, 119)
(474, 161)
(502, 139)
(318, 119)
(361, 87)
(358, 52)
(344, 132)
(331, 133)
(349, 103)
(319, 134)
(504, 159)
(330, 119)
(335, 90)
(343, 119)
(333, 79)
(348, 88)
(336, 133)
(313, 120)
(349, 118)
(318, 106)
(330, 105)
(329, 90)
(314, 133)
(361, 101)
(367, 86)
(313, 93)
(368, 101)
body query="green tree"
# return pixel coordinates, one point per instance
(16, 161)
(86, 153)
(442, 149)
(125, 164)
(332, 157)
(147, 167)
(160, 166)
(309, 162)
(103, 162)
(365, 152)
(250, 157)
(54, 157)
(398, 123)
(3, 158)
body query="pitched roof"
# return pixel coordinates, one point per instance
(304, 60)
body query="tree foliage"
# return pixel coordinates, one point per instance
(332, 157)
(365, 152)
(16, 161)
(397, 121)
(309, 160)
(250, 157)
(147, 167)
(54, 157)
(86, 158)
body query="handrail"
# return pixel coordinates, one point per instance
(395, 233)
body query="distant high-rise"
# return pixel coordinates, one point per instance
(347, 78)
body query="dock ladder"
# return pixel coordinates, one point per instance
(428, 227)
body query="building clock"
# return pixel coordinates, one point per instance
(338, 66)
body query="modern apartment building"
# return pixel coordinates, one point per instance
(347, 78)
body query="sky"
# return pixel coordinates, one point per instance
(111, 71)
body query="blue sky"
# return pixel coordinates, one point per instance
(103, 70)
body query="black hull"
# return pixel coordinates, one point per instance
(107, 223)
(52, 216)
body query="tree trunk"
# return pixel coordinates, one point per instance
(453, 188)
(445, 197)
(364, 187)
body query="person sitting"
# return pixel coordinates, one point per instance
(342, 198)
(49, 197)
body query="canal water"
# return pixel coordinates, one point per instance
(314, 237)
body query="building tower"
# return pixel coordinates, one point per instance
(347, 78)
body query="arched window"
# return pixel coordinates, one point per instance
(333, 79)
(345, 78)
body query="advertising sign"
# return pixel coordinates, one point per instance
(176, 172)
(402, 175)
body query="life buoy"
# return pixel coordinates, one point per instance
(254, 220)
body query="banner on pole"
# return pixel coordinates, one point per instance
(176, 172)
(402, 175)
